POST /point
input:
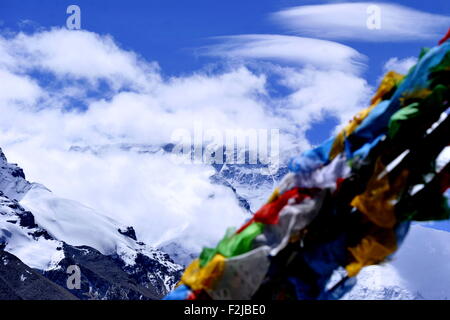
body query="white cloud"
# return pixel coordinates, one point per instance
(401, 66)
(18, 89)
(348, 21)
(161, 199)
(289, 49)
(78, 55)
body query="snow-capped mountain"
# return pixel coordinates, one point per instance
(48, 234)
(12, 179)
(250, 182)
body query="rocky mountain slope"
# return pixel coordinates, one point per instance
(419, 270)
(48, 234)
(20, 282)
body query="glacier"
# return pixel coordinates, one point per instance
(48, 233)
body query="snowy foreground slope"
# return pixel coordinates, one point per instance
(49, 234)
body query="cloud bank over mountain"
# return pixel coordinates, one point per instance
(78, 88)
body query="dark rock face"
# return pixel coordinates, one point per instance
(18, 215)
(18, 172)
(178, 253)
(145, 269)
(101, 276)
(26, 219)
(168, 147)
(20, 282)
(2, 156)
